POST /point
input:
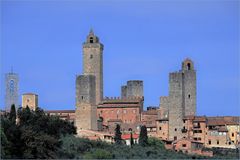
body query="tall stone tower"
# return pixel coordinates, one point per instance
(181, 101)
(86, 109)
(11, 94)
(93, 62)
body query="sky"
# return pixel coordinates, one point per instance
(143, 40)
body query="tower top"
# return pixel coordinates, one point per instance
(91, 38)
(187, 64)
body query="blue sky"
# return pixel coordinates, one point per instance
(142, 40)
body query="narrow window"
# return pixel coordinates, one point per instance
(217, 141)
(91, 39)
(82, 97)
(175, 129)
(188, 66)
(189, 96)
(209, 142)
(91, 56)
(160, 128)
(175, 137)
(232, 134)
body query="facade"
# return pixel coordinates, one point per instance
(126, 112)
(11, 92)
(30, 100)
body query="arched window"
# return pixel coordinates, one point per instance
(188, 66)
(91, 39)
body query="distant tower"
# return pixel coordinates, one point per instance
(30, 100)
(93, 62)
(134, 88)
(181, 101)
(86, 109)
(11, 95)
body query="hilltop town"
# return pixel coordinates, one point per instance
(174, 121)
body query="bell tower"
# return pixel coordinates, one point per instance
(93, 62)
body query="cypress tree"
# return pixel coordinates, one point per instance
(12, 115)
(143, 138)
(131, 140)
(118, 135)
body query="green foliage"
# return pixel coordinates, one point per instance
(35, 136)
(80, 148)
(98, 154)
(12, 115)
(131, 140)
(143, 137)
(118, 134)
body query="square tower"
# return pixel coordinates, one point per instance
(86, 109)
(93, 62)
(11, 94)
(30, 100)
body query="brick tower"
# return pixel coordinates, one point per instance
(93, 62)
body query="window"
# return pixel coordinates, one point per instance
(91, 56)
(232, 134)
(82, 97)
(188, 66)
(175, 129)
(160, 128)
(91, 39)
(217, 141)
(184, 145)
(189, 96)
(209, 142)
(175, 137)
(184, 121)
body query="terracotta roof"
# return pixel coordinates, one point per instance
(128, 136)
(150, 112)
(221, 121)
(59, 111)
(195, 118)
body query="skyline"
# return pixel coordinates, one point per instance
(144, 41)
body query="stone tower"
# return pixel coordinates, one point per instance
(30, 100)
(11, 94)
(135, 88)
(93, 62)
(181, 101)
(86, 109)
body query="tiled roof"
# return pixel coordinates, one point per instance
(221, 121)
(59, 111)
(128, 136)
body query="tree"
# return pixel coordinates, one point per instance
(118, 135)
(143, 138)
(12, 115)
(131, 140)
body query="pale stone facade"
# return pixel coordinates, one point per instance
(30, 100)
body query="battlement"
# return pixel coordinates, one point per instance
(119, 99)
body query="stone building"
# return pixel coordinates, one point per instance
(181, 101)
(30, 100)
(86, 109)
(11, 90)
(93, 62)
(134, 88)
